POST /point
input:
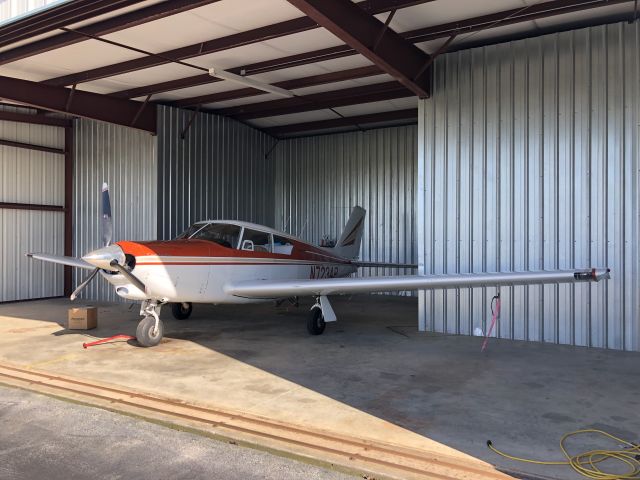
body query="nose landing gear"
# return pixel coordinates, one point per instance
(150, 329)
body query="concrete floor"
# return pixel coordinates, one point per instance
(47, 438)
(371, 374)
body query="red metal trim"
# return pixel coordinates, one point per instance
(68, 205)
(32, 206)
(110, 25)
(29, 146)
(37, 119)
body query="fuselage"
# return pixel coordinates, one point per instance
(197, 270)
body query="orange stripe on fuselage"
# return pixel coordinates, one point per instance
(205, 248)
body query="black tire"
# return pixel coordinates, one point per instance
(145, 335)
(315, 322)
(179, 312)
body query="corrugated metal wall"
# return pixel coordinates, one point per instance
(319, 179)
(34, 177)
(529, 160)
(10, 9)
(126, 159)
(217, 171)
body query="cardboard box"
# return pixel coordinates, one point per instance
(82, 318)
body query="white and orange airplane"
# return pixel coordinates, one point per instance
(227, 261)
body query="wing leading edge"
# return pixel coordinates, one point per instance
(268, 289)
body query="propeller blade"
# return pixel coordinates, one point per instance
(107, 224)
(77, 291)
(130, 276)
(68, 261)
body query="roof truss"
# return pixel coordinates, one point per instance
(373, 39)
(78, 103)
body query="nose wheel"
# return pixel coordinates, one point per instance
(150, 329)
(147, 333)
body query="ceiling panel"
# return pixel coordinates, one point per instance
(205, 23)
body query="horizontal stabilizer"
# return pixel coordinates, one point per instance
(68, 261)
(267, 289)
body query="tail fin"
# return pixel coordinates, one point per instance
(348, 245)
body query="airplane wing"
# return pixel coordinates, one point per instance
(268, 289)
(68, 261)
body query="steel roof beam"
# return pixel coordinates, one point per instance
(507, 17)
(104, 27)
(260, 34)
(41, 22)
(318, 101)
(37, 119)
(410, 114)
(371, 38)
(546, 9)
(85, 104)
(310, 81)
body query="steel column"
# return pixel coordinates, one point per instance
(68, 207)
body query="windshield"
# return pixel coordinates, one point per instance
(220, 233)
(189, 231)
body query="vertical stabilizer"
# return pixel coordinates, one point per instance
(348, 245)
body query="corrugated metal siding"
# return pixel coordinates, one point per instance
(29, 176)
(126, 159)
(10, 9)
(320, 179)
(528, 161)
(218, 171)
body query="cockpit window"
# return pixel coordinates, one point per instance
(189, 231)
(220, 233)
(282, 245)
(256, 241)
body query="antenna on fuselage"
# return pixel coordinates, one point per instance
(284, 229)
(303, 227)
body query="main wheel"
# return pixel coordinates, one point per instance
(145, 332)
(315, 322)
(180, 311)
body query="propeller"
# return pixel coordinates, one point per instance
(104, 257)
(106, 224)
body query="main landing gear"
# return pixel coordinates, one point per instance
(320, 314)
(181, 311)
(150, 329)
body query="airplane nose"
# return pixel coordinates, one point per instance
(103, 257)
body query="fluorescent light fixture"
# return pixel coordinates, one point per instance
(249, 82)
